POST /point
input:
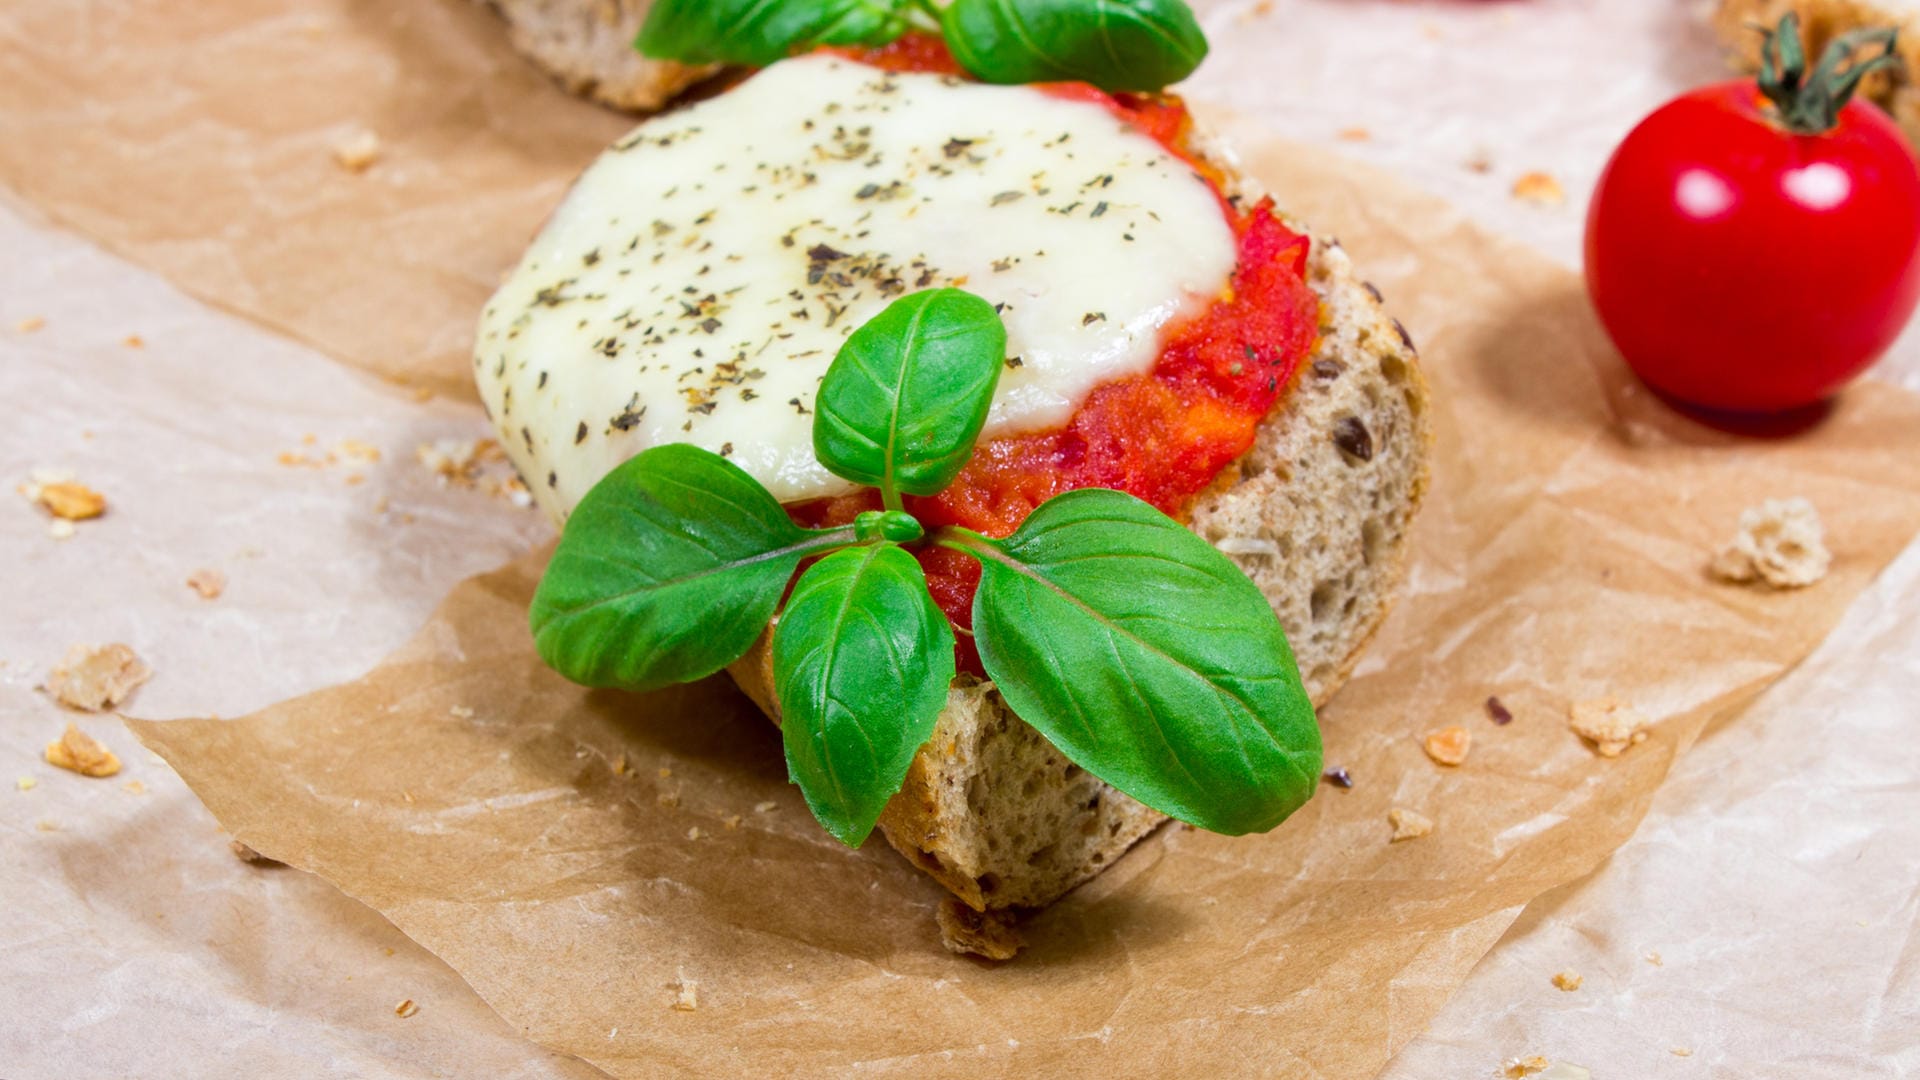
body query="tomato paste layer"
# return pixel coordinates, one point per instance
(1163, 436)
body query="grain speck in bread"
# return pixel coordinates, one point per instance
(588, 46)
(1314, 515)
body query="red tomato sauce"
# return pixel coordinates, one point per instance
(1163, 436)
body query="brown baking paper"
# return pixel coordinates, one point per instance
(538, 846)
(581, 857)
(199, 140)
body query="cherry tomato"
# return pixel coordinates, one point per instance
(1740, 265)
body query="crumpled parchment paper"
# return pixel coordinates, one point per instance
(580, 857)
(1721, 479)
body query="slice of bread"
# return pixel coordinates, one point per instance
(1896, 90)
(588, 46)
(1317, 514)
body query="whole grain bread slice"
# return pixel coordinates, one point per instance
(1317, 514)
(588, 46)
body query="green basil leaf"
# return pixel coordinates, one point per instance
(667, 571)
(1149, 659)
(760, 32)
(904, 400)
(861, 662)
(1117, 45)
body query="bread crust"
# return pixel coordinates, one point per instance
(587, 46)
(931, 819)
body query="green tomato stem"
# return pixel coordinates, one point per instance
(1810, 105)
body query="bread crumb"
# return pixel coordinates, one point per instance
(46, 826)
(1524, 1067)
(1681, 1051)
(1449, 745)
(1781, 543)
(1355, 134)
(461, 711)
(459, 462)
(620, 765)
(667, 800)
(695, 833)
(1568, 981)
(70, 501)
(1610, 724)
(30, 324)
(208, 583)
(405, 1009)
(357, 451)
(77, 751)
(357, 150)
(94, 678)
(686, 996)
(134, 341)
(966, 932)
(516, 492)
(665, 773)
(731, 821)
(1539, 187)
(1654, 959)
(134, 787)
(60, 529)
(26, 783)
(1408, 825)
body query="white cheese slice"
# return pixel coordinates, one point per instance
(702, 274)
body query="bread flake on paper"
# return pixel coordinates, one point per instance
(1781, 544)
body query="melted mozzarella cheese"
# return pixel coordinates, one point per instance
(700, 277)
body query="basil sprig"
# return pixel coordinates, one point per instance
(668, 571)
(759, 32)
(1117, 45)
(1177, 677)
(861, 662)
(1134, 646)
(908, 403)
(1113, 44)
